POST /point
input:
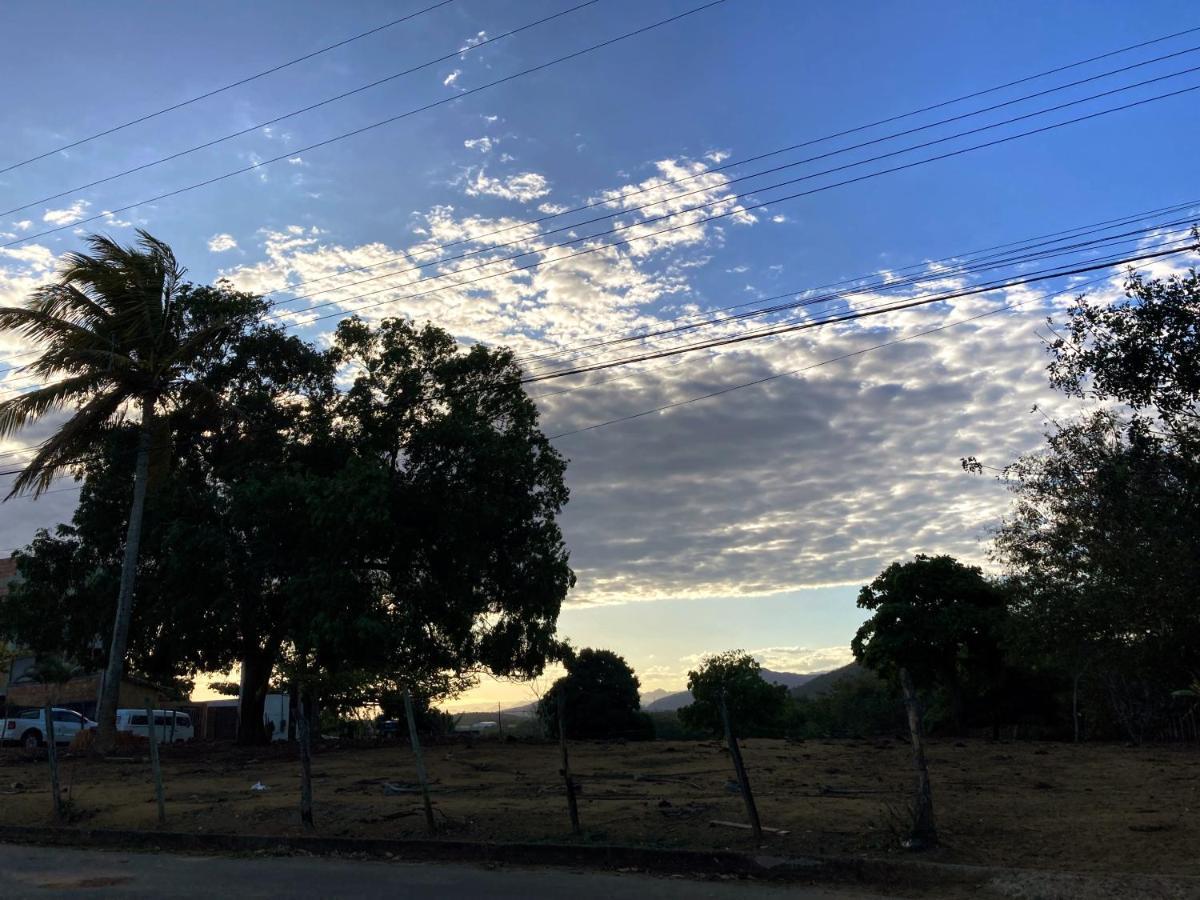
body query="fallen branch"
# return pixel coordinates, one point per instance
(746, 827)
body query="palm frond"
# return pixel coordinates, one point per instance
(42, 327)
(67, 300)
(24, 408)
(70, 444)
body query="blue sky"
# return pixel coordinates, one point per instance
(747, 520)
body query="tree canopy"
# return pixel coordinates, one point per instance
(756, 707)
(601, 695)
(381, 513)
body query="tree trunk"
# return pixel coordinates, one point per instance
(106, 714)
(52, 756)
(256, 682)
(924, 834)
(1075, 703)
(304, 728)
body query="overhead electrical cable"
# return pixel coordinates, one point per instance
(379, 124)
(457, 53)
(761, 156)
(777, 375)
(233, 84)
(625, 210)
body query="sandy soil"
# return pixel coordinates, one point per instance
(1096, 808)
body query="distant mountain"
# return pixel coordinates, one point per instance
(789, 679)
(648, 697)
(666, 701)
(823, 683)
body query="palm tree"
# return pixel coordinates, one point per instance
(115, 338)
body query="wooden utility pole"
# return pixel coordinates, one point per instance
(152, 731)
(572, 803)
(739, 769)
(422, 778)
(924, 833)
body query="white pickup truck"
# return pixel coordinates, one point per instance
(28, 727)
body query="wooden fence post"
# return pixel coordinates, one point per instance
(572, 803)
(739, 769)
(422, 777)
(152, 731)
(52, 758)
(304, 732)
(924, 833)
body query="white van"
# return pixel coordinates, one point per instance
(170, 726)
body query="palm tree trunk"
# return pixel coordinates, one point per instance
(106, 714)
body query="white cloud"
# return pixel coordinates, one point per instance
(482, 144)
(219, 243)
(452, 78)
(522, 187)
(779, 218)
(23, 225)
(68, 215)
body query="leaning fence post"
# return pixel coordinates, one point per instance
(52, 758)
(572, 803)
(152, 731)
(422, 777)
(739, 769)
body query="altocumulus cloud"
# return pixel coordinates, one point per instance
(814, 479)
(808, 480)
(219, 243)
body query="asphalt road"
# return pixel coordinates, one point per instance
(46, 872)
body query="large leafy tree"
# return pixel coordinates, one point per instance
(934, 620)
(474, 569)
(1103, 541)
(756, 707)
(118, 331)
(397, 534)
(600, 693)
(940, 620)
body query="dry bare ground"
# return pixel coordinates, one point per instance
(1093, 808)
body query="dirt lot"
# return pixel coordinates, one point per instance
(1097, 808)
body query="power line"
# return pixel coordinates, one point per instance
(746, 384)
(744, 209)
(466, 48)
(728, 198)
(771, 153)
(227, 87)
(740, 386)
(987, 262)
(852, 316)
(843, 183)
(357, 131)
(881, 285)
(626, 195)
(470, 47)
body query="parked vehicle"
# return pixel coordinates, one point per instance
(170, 726)
(28, 727)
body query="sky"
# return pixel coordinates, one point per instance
(748, 519)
